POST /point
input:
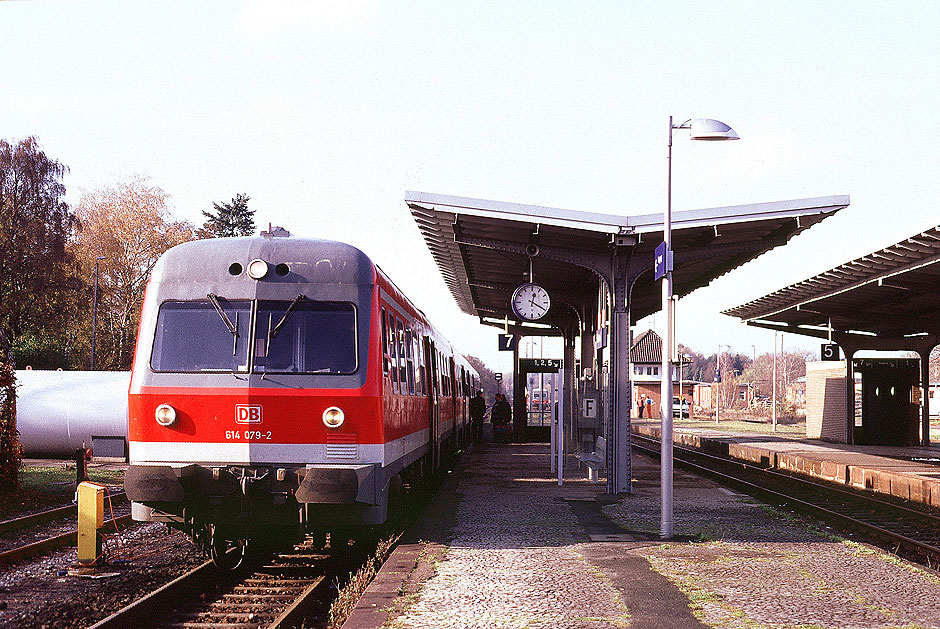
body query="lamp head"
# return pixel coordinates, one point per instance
(713, 130)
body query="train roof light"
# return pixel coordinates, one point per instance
(166, 415)
(257, 269)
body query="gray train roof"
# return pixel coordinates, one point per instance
(890, 293)
(707, 243)
(308, 260)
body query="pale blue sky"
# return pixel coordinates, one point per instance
(326, 112)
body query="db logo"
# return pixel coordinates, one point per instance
(247, 414)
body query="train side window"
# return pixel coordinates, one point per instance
(445, 376)
(409, 355)
(385, 345)
(440, 373)
(393, 352)
(419, 365)
(402, 377)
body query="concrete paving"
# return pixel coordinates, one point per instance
(503, 545)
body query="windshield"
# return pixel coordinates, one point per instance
(298, 336)
(305, 336)
(194, 336)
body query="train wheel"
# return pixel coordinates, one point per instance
(226, 554)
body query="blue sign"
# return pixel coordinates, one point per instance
(662, 262)
(507, 342)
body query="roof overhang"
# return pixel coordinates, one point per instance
(889, 294)
(483, 248)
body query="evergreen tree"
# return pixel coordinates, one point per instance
(229, 219)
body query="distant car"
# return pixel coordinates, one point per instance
(680, 408)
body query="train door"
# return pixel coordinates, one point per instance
(434, 439)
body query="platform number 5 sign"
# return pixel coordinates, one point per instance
(830, 351)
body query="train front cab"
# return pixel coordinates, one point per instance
(235, 421)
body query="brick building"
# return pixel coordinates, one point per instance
(646, 367)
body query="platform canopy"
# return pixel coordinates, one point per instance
(483, 248)
(888, 294)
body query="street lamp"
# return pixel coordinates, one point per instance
(94, 311)
(699, 129)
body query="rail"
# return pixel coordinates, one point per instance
(278, 592)
(909, 532)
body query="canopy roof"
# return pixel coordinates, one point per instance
(480, 246)
(891, 293)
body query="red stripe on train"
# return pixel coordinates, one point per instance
(271, 416)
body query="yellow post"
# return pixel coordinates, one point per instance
(90, 519)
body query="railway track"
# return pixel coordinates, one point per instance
(277, 592)
(40, 533)
(908, 531)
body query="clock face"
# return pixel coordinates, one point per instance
(530, 302)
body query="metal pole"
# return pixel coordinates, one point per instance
(773, 413)
(718, 386)
(94, 312)
(560, 418)
(665, 403)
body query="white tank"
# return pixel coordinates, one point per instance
(58, 411)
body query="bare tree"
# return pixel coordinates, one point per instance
(129, 226)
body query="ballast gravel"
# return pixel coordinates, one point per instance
(41, 593)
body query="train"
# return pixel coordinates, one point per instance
(284, 386)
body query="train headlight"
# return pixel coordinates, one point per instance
(333, 417)
(166, 415)
(257, 269)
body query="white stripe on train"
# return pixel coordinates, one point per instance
(259, 453)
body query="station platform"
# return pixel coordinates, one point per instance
(909, 473)
(503, 545)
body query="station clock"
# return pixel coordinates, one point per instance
(530, 302)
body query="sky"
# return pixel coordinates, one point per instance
(325, 113)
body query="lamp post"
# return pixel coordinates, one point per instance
(699, 129)
(94, 311)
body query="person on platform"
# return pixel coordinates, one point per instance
(477, 412)
(501, 416)
(640, 405)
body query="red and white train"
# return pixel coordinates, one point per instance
(283, 384)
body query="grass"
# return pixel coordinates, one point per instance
(739, 425)
(348, 595)
(47, 486)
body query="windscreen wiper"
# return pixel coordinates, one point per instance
(214, 300)
(232, 327)
(287, 313)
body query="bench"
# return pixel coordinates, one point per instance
(595, 459)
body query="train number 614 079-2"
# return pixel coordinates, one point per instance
(250, 435)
